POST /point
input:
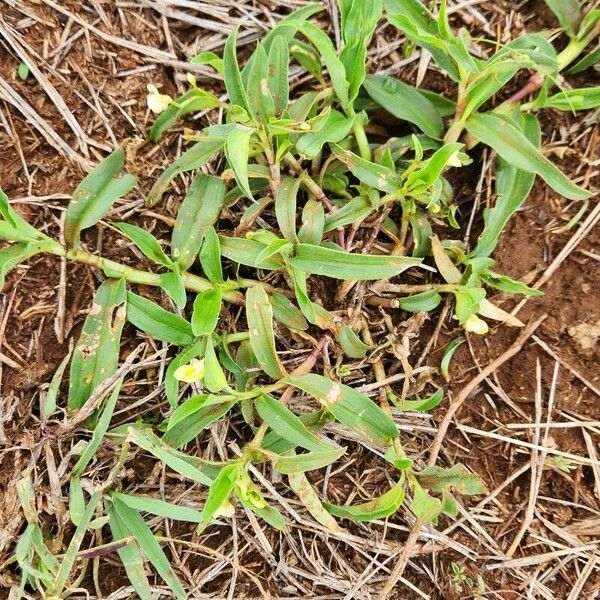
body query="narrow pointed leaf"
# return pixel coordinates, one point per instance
(286, 424)
(96, 354)
(149, 545)
(339, 264)
(96, 194)
(348, 406)
(406, 103)
(378, 508)
(193, 158)
(259, 315)
(146, 242)
(513, 146)
(157, 322)
(198, 212)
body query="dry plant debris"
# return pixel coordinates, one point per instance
(309, 171)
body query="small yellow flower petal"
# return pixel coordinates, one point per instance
(190, 373)
(157, 102)
(225, 510)
(191, 79)
(476, 325)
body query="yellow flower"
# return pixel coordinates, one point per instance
(476, 325)
(225, 510)
(190, 373)
(157, 102)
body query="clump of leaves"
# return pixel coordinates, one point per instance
(311, 174)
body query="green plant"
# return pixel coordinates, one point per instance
(315, 161)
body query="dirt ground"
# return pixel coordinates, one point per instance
(95, 59)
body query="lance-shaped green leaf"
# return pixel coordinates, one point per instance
(214, 376)
(207, 307)
(309, 461)
(194, 100)
(512, 186)
(231, 72)
(329, 57)
(157, 322)
(259, 315)
(457, 478)
(209, 58)
(15, 228)
(260, 100)
(192, 417)
(422, 302)
(285, 312)
(210, 256)
(15, 254)
(339, 264)
(428, 174)
(532, 51)
(179, 462)
(513, 146)
(246, 252)
(220, 490)
(61, 578)
(419, 26)
(145, 242)
(378, 508)
(96, 354)
(95, 195)
(355, 211)
(158, 507)
(149, 545)
(99, 431)
(507, 284)
(568, 13)
(130, 555)
(351, 344)
(423, 405)
(358, 21)
(286, 424)
(333, 129)
(572, 100)
(586, 62)
(307, 495)
(277, 78)
(198, 212)
(348, 406)
(313, 222)
(237, 151)
(447, 355)
(193, 158)
(406, 103)
(173, 285)
(285, 207)
(374, 175)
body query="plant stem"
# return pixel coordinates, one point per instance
(112, 268)
(361, 139)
